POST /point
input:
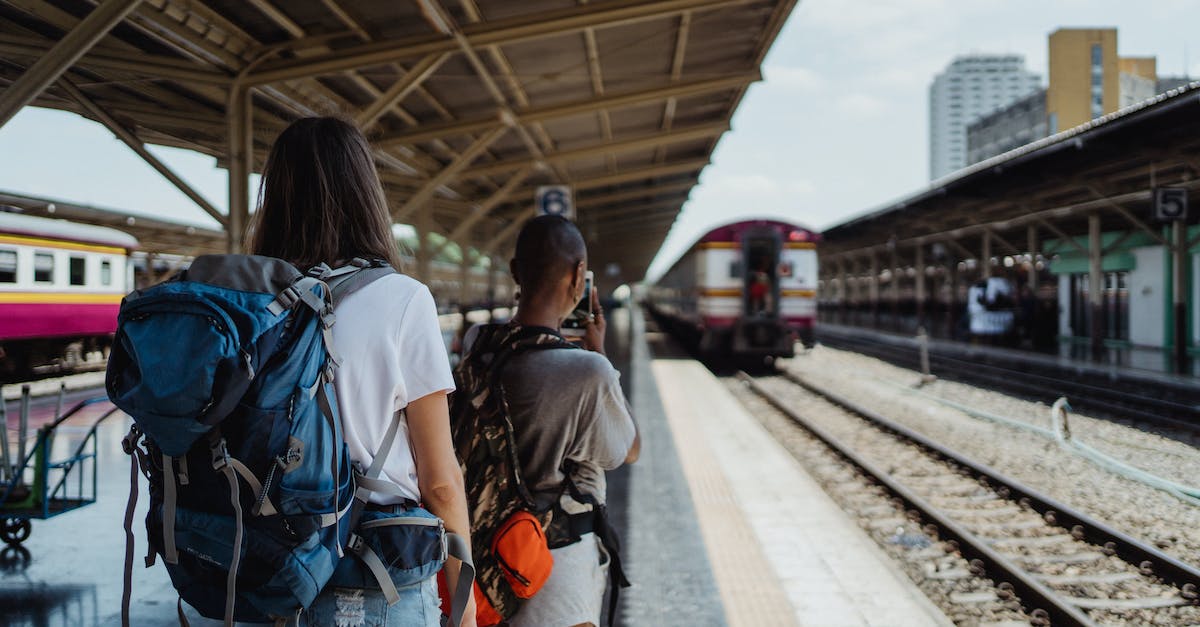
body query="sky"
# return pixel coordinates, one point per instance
(838, 127)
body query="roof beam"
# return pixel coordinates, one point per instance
(399, 90)
(607, 216)
(500, 32)
(681, 40)
(422, 195)
(578, 107)
(640, 142)
(141, 65)
(485, 208)
(138, 147)
(642, 193)
(63, 55)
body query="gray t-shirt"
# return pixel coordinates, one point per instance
(566, 404)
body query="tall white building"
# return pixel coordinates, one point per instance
(971, 86)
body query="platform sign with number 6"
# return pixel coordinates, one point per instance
(555, 200)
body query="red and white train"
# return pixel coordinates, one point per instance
(744, 290)
(61, 284)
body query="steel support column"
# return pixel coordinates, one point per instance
(985, 260)
(1179, 285)
(423, 225)
(240, 119)
(62, 56)
(873, 288)
(920, 287)
(1031, 243)
(1096, 287)
(894, 285)
(843, 290)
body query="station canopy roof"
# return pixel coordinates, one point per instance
(471, 104)
(1107, 167)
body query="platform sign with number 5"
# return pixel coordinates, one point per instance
(1170, 204)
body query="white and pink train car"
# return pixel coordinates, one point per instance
(61, 284)
(746, 289)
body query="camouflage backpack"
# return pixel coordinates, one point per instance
(486, 448)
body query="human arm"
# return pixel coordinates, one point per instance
(439, 478)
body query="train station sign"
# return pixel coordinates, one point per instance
(555, 200)
(1170, 204)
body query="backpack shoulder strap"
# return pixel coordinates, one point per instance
(348, 279)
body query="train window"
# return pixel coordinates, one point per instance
(735, 269)
(78, 269)
(106, 272)
(43, 267)
(8, 266)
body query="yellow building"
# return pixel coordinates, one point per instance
(1084, 76)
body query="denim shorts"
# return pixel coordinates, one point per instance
(366, 607)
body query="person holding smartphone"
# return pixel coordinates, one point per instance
(570, 420)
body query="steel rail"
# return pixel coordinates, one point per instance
(1148, 559)
(1034, 595)
(1121, 403)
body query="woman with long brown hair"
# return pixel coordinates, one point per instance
(320, 201)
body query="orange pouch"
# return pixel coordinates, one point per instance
(520, 548)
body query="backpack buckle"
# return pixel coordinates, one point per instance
(220, 455)
(284, 300)
(354, 543)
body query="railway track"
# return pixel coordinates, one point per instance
(1062, 566)
(1172, 407)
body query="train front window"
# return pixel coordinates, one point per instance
(8, 266)
(43, 267)
(78, 269)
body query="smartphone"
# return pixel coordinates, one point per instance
(582, 314)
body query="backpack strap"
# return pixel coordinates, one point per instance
(456, 546)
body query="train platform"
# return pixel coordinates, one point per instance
(721, 525)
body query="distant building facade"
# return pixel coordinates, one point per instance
(969, 87)
(1019, 123)
(1087, 80)
(1167, 83)
(1084, 77)
(1138, 79)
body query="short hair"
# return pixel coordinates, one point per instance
(548, 247)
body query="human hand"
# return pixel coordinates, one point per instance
(593, 331)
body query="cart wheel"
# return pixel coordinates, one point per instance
(14, 558)
(15, 530)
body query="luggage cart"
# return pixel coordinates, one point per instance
(34, 485)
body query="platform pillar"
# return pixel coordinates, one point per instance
(985, 261)
(952, 312)
(843, 290)
(1096, 287)
(422, 225)
(894, 285)
(239, 117)
(920, 287)
(1179, 285)
(873, 288)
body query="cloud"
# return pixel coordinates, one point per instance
(862, 105)
(795, 78)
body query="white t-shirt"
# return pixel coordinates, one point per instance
(392, 352)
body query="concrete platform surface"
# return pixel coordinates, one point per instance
(783, 552)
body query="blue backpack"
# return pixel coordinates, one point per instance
(227, 371)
